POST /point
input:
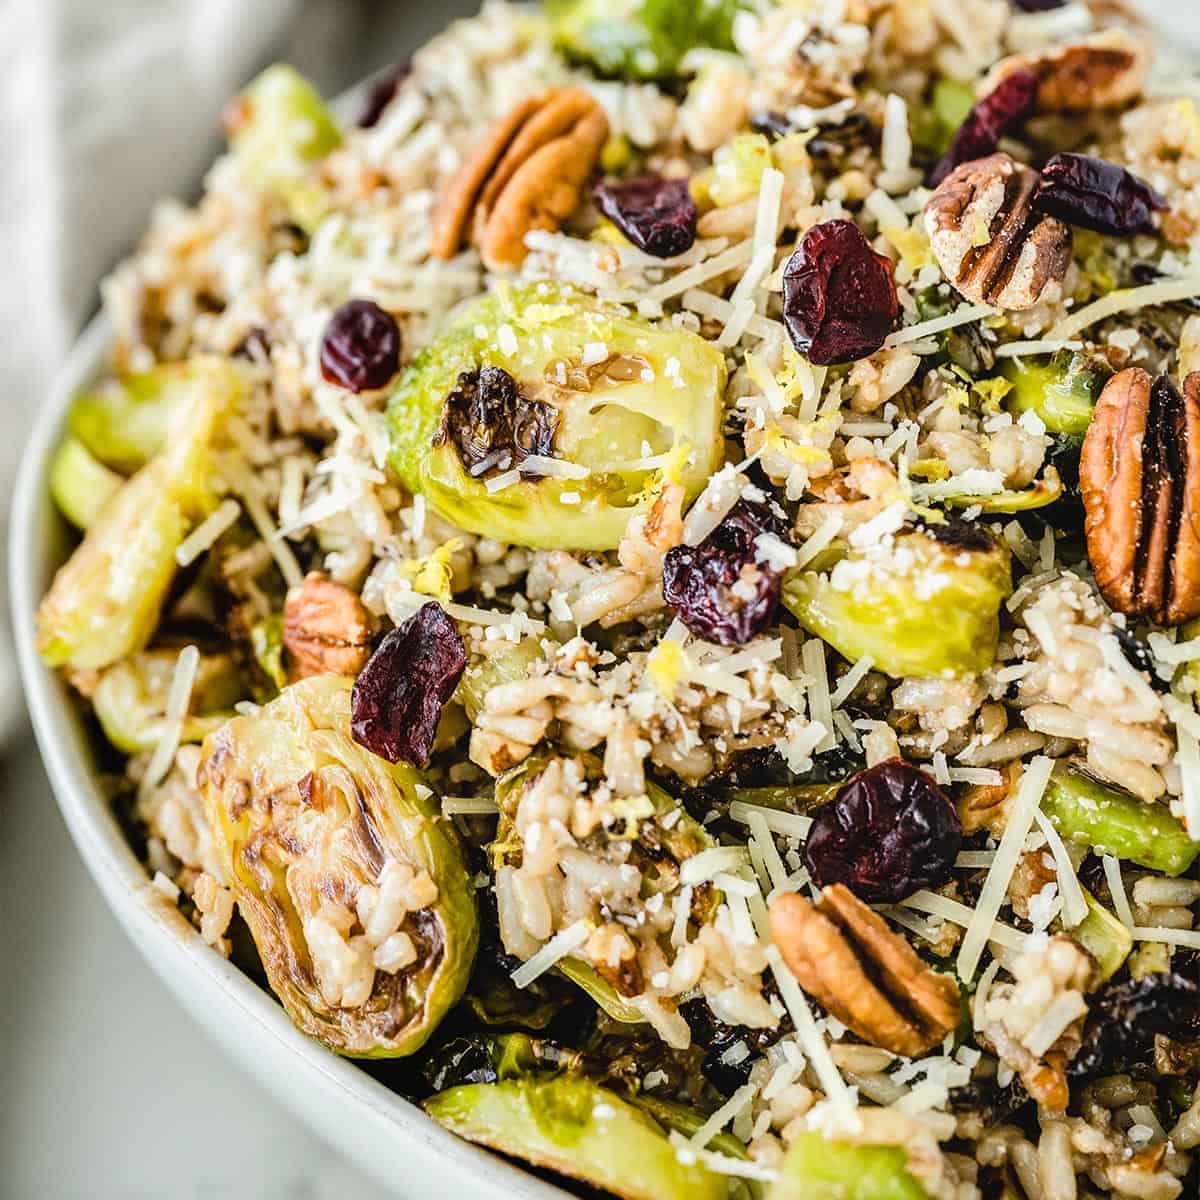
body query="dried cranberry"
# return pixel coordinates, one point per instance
(889, 832)
(398, 696)
(1124, 1019)
(718, 588)
(656, 215)
(361, 347)
(1009, 103)
(493, 424)
(382, 93)
(839, 298)
(1095, 194)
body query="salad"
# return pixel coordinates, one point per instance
(648, 588)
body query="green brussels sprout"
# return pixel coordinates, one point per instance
(1114, 822)
(130, 698)
(1062, 391)
(602, 993)
(106, 601)
(816, 1169)
(928, 605)
(639, 39)
(650, 407)
(1044, 492)
(266, 644)
(278, 127)
(80, 484)
(124, 422)
(789, 797)
(1105, 938)
(574, 1127)
(508, 665)
(302, 818)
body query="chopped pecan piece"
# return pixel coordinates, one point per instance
(325, 629)
(868, 977)
(1104, 70)
(987, 238)
(529, 173)
(1139, 474)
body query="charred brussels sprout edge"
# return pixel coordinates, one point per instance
(303, 818)
(619, 385)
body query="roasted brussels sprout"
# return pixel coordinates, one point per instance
(1105, 938)
(106, 601)
(507, 664)
(131, 698)
(124, 422)
(644, 39)
(1062, 391)
(1110, 821)
(817, 1169)
(318, 838)
(278, 127)
(540, 373)
(928, 605)
(80, 484)
(570, 1125)
(1044, 492)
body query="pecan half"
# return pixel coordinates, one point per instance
(988, 240)
(1104, 70)
(870, 978)
(529, 173)
(1139, 474)
(325, 628)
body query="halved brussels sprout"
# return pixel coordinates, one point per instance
(1114, 822)
(509, 664)
(278, 127)
(1105, 938)
(817, 1169)
(928, 605)
(131, 698)
(574, 1127)
(550, 372)
(105, 602)
(80, 484)
(1062, 391)
(319, 837)
(124, 422)
(641, 39)
(1045, 491)
(602, 992)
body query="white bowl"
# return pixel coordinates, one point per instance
(380, 1132)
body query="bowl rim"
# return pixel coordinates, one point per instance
(392, 1139)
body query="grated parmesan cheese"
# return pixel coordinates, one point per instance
(812, 659)
(702, 867)
(206, 533)
(468, 806)
(1165, 291)
(719, 1119)
(505, 479)
(851, 680)
(1053, 1023)
(244, 483)
(1116, 887)
(179, 697)
(557, 948)
(815, 1047)
(786, 824)
(1075, 908)
(963, 315)
(1008, 854)
(819, 540)
(761, 837)
(1189, 938)
(958, 913)
(557, 468)
(980, 999)
(719, 264)
(1029, 349)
